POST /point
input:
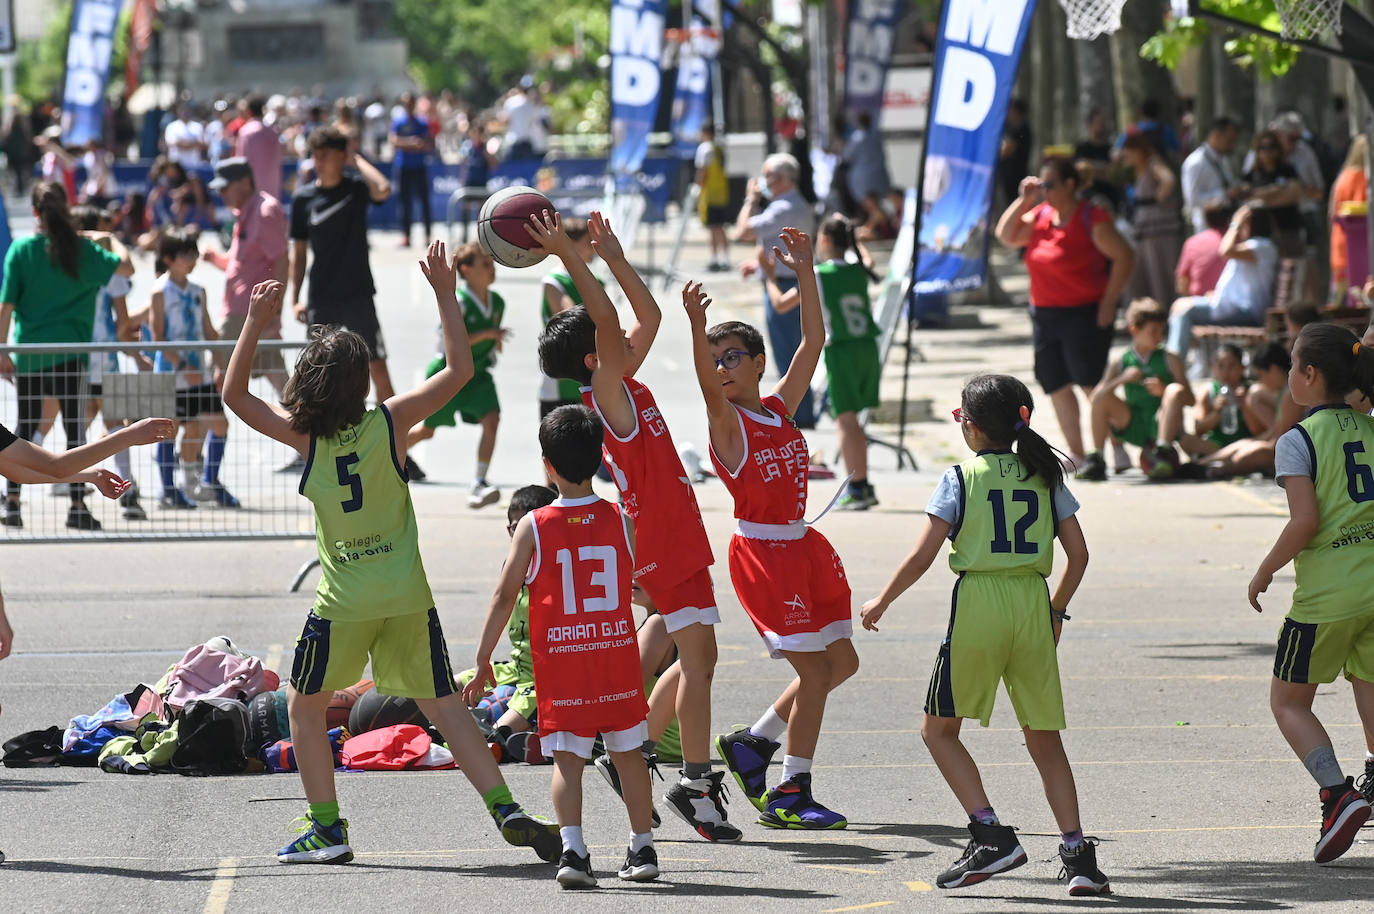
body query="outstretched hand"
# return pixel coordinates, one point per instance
(604, 241)
(546, 229)
(147, 431)
(264, 304)
(696, 301)
(872, 611)
(110, 485)
(798, 256)
(439, 270)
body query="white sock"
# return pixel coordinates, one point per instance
(770, 725)
(572, 840)
(1368, 756)
(641, 840)
(482, 467)
(190, 475)
(794, 764)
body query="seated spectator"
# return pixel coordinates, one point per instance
(177, 198)
(1245, 289)
(1200, 264)
(1219, 417)
(1269, 411)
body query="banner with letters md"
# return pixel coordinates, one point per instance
(89, 45)
(636, 79)
(976, 54)
(868, 51)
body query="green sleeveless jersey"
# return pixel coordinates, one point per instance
(1137, 397)
(1007, 524)
(364, 525)
(1335, 570)
(568, 390)
(518, 633)
(476, 320)
(1216, 435)
(844, 296)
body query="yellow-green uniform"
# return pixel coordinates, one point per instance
(852, 366)
(1002, 530)
(559, 390)
(1331, 624)
(478, 396)
(373, 598)
(1143, 429)
(518, 671)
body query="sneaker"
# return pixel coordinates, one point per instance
(604, 764)
(790, 805)
(1159, 461)
(525, 747)
(1121, 461)
(483, 494)
(575, 871)
(1343, 812)
(129, 507)
(413, 471)
(852, 500)
(295, 465)
(870, 496)
(217, 493)
(701, 804)
(520, 829)
(1365, 785)
(747, 757)
(1094, 468)
(176, 499)
(1080, 868)
(318, 844)
(992, 849)
(640, 865)
(79, 517)
(11, 516)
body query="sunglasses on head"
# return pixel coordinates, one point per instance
(732, 359)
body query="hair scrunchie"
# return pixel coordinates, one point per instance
(1356, 348)
(1025, 419)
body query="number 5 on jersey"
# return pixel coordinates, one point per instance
(344, 464)
(603, 578)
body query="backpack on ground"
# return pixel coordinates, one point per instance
(206, 672)
(34, 749)
(212, 738)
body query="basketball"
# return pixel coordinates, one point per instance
(501, 229)
(373, 710)
(341, 705)
(265, 719)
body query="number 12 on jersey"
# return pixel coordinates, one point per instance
(603, 578)
(1001, 543)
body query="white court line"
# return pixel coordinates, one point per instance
(218, 900)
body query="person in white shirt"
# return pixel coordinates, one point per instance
(1207, 175)
(185, 139)
(519, 114)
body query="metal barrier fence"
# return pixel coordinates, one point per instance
(253, 494)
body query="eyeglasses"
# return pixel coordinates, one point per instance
(732, 358)
(1049, 185)
(959, 415)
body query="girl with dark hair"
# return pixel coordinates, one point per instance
(1001, 512)
(50, 286)
(1326, 466)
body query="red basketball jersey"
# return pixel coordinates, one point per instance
(670, 541)
(582, 633)
(769, 485)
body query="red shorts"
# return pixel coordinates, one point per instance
(689, 601)
(795, 591)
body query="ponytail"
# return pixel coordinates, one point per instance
(1344, 362)
(50, 203)
(839, 231)
(1001, 407)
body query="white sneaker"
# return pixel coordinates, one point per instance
(483, 494)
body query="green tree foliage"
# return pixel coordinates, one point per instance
(1269, 56)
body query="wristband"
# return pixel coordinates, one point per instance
(1059, 616)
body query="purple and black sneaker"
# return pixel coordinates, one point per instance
(747, 757)
(790, 805)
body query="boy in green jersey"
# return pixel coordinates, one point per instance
(476, 402)
(1142, 398)
(373, 600)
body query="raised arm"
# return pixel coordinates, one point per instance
(721, 419)
(797, 381)
(502, 603)
(264, 305)
(1012, 228)
(783, 302)
(648, 316)
(378, 185)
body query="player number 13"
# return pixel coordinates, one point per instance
(605, 578)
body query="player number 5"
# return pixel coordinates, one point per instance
(344, 465)
(605, 579)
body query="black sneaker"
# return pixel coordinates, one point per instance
(701, 804)
(747, 757)
(1343, 812)
(80, 518)
(11, 516)
(993, 849)
(1080, 869)
(1160, 461)
(1365, 785)
(1094, 468)
(639, 866)
(575, 871)
(520, 829)
(413, 471)
(604, 764)
(129, 506)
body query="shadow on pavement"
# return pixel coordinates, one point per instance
(26, 785)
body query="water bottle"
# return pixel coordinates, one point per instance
(1230, 411)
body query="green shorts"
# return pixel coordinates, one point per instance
(1142, 430)
(1316, 652)
(473, 402)
(408, 653)
(999, 631)
(854, 372)
(507, 673)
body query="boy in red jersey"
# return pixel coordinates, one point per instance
(576, 555)
(674, 556)
(789, 579)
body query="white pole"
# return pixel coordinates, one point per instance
(7, 83)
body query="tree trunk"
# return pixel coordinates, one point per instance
(1039, 78)
(1068, 118)
(1137, 78)
(1096, 85)
(1233, 89)
(1306, 88)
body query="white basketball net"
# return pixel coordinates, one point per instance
(1090, 18)
(1309, 18)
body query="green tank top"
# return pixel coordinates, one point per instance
(568, 391)
(518, 633)
(1137, 397)
(1216, 435)
(1335, 570)
(475, 321)
(365, 527)
(1007, 522)
(844, 294)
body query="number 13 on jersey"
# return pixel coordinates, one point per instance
(596, 566)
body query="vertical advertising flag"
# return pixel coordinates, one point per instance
(636, 79)
(868, 40)
(692, 95)
(141, 25)
(976, 56)
(89, 46)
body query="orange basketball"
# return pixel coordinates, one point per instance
(342, 703)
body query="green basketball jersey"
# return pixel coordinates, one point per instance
(475, 321)
(1216, 435)
(844, 295)
(518, 633)
(1335, 570)
(568, 391)
(364, 525)
(1007, 523)
(1137, 397)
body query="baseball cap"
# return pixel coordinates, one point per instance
(230, 170)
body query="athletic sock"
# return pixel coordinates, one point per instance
(496, 799)
(639, 841)
(1322, 765)
(770, 726)
(572, 840)
(124, 466)
(166, 466)
(695, 771)
(190, 473)
(985, 816)
(325, 813)
(482, 467)
(214, 456)
(1072, 839)
(1368, 756)
(794, 764)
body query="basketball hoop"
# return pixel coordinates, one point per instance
(1089, 19)
(1309, 19)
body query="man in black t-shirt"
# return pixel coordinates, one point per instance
(329, 221)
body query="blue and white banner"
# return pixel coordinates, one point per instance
(89, 45)
(692, 95)
(636, 79)
(976, 55)
(868, 51)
